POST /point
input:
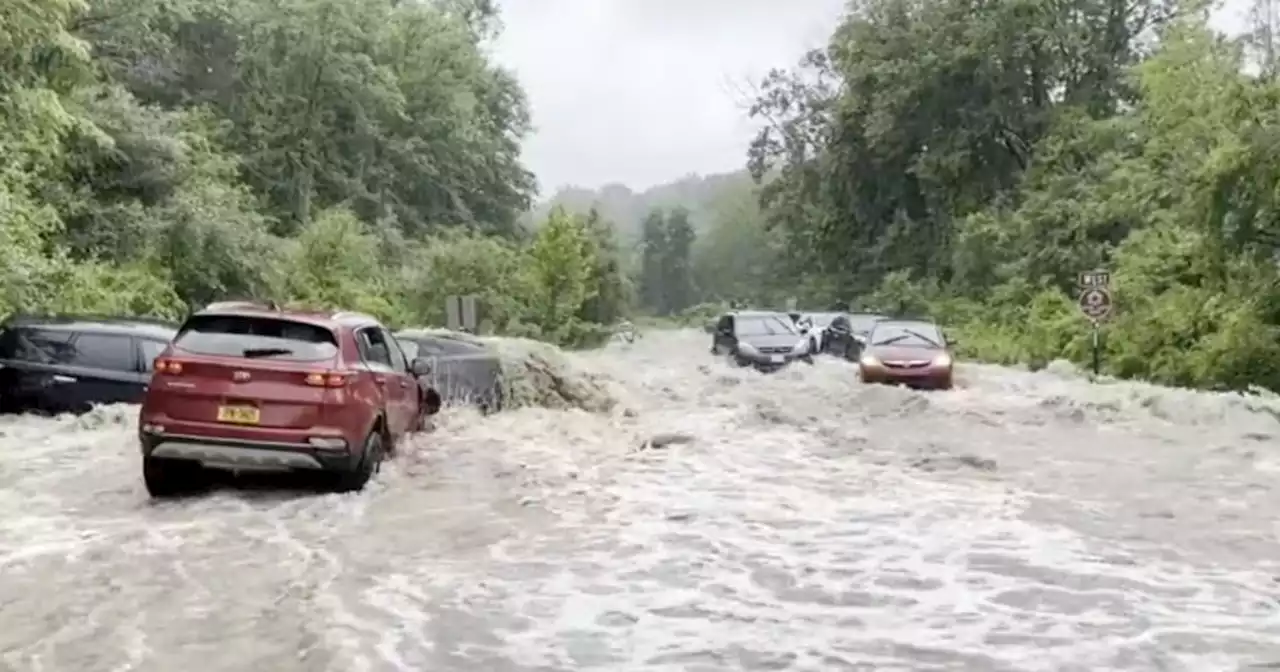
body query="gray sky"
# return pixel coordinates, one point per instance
(643, 91)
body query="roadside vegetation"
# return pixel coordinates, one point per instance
(158, 155)
(967, 165)
(933, 159)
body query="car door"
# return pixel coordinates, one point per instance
(725, 340)
(32, 375)
(105, 370)
(376, 355)
(406, 389)
(838, 336)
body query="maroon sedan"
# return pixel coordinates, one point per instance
(907, 352)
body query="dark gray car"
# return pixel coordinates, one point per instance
(764, 340)
(462, 371)
(71, 363)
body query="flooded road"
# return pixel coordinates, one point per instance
(800, 521)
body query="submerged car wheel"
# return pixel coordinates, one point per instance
(166, 478)
(428, 406)
(370, 462)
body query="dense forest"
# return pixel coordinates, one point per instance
(957, 158)
(159, 154)
(966, 160)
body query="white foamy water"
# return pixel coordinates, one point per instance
(799, 521)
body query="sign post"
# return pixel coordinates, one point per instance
(460, 313)
(469, 313)
(452, 313)
(1095, 304)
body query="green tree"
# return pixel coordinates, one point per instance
(905, 165)
(163, 154)
(329, 266)
(456, 264)
(738, 257)
(653, 253)
(561, 269)
(608, 298)
(676, 264)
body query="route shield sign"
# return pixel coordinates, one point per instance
(1095, 303)
(1095, 279)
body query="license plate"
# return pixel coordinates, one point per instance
(777, 359)
(240, 415)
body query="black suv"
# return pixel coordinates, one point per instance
(69, 363)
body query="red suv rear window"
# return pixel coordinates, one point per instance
(256, 337)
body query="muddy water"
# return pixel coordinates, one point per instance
(799, 521)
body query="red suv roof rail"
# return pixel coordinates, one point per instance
(242, 305)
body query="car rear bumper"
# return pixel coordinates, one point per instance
(243, 453)
(924, 379)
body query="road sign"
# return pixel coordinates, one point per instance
(460, 313)
(1098, 278)
(1096, 303)
(469, 313)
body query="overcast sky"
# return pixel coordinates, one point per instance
(646, 91)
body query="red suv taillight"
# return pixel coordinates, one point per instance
(168, 366)
(328, 379)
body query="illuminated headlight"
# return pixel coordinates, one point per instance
(868, 360)
(942, 361)
(747, 349)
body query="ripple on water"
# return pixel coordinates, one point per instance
(1026, 521)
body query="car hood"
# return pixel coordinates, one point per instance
(901, 353)
(778, 341)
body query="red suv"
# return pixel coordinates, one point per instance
(249, 387)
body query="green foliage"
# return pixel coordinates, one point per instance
(930, 160)
(737, 259)
(561, 267)
(455, 265)
(329, 265)
(612, 293)
(359, 154)
(666, 263)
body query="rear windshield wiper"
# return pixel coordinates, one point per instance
(266, 352)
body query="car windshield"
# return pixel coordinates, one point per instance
(408, 347)
(916, 335)
(863, 323)
(256, 337)
(764, 326)
(435, 347)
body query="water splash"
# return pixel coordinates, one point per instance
(1028, 521)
